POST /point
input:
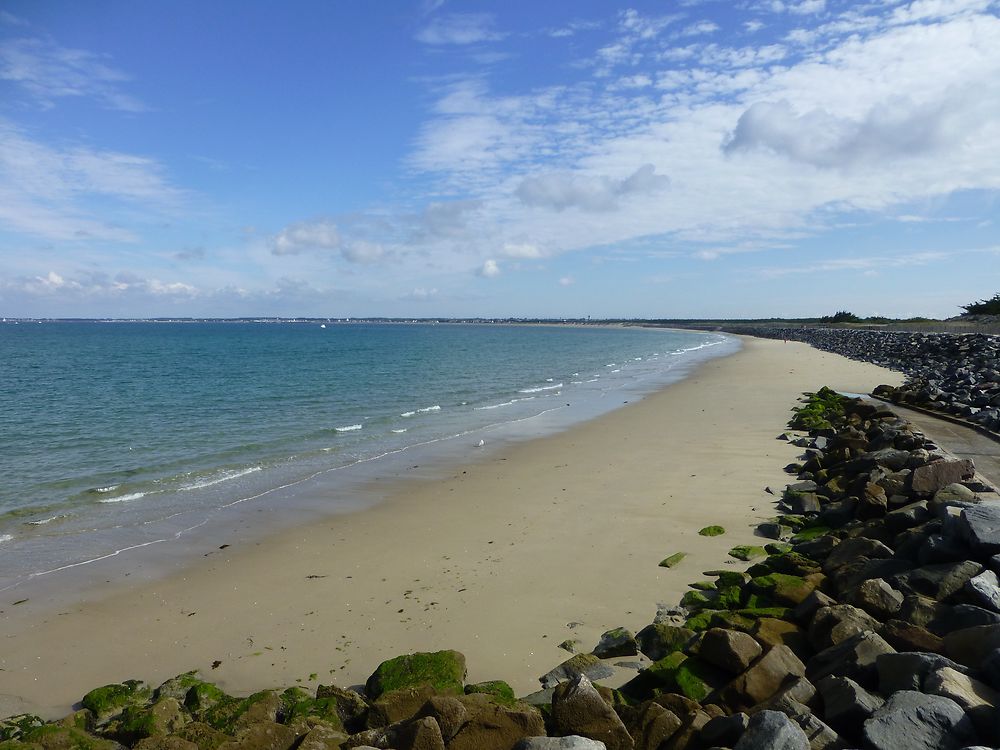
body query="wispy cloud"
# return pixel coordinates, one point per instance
(47, 72)
(306, 235)
(460, 29)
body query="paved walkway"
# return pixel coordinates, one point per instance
(964, 442)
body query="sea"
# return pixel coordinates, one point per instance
(136, 441)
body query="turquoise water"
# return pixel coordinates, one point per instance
(118, 435)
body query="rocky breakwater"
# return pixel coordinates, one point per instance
(957, 374)
(869, 618)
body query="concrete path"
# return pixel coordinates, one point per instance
(962, 441)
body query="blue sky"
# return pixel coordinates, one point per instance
(694, 158)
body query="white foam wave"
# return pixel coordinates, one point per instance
(43, 521)
(576, 382)
(541, 388)
(407, 414)
(123, 498)
(6, 537)
(348, 428)
(429, 408)
(400, 431)
(109, 488)
(505, 403)
(218, 479)
(616, 370)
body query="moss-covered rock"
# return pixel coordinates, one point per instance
(727, 578)
(712, 531)
(732, 621)
(228, 714)
(697, 679)
(298, 703)
(14, 727)
(694, 599)
(55, 737)
(810, 533)
(673, 560)
(202, 735)
(201, 696)
(444, 671)
(782, 588)
(571, 644)
(703, 585)
(777, 548)
(498, 690)
(109, 700)
(730, 597)
(700, 620)
(660, 638)
(747, 552)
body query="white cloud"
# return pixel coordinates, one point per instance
(306, 235)
(561, 191)
(572, 28)
(421, 294)
(48, 72)
(50, 191)
(361, 251)
(460, 29)
(524, 250)
(807, 7)
(754, 26)
(699, 28)
(567, 281)
(489, 269)
(924, 10)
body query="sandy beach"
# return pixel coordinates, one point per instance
(502, 558)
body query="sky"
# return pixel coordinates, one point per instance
(421, 158)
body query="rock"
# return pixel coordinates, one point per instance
(231, 714)
(985, 589)
(851, 549)
(398, 705)
(904, 636)
(762, 680)
(138, 722)
(876, 597)
(499, 690)
(937, 582)
(444, 671)
(907, 671)
(164, 742)
(771, 530)
(659, 639)
(262, 735)
(772, 730)
(835, 624)
(979, 525)
(962, 616)
(769, 631)
(730, 650)
(477, 722)
(936, 475)
(977, 699)
(616, 642)
(811, 604)
(846, 705)
(724, 730)
(51, 737)
(572, 742)
(581, 664)
(322, 738)
(577, 708)
(854, 658)
(112, 699)
(652, 725)
(672, 560)
(971, 646)
(914, 721)
(351, 706)
(202, 735)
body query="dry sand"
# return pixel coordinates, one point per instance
(502, 558)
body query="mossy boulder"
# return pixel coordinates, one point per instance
(712, 531)
(747, 552)
(351, 705)
(230, 713)
(703, 585)
(138, 722)
(810, 533)
(55, 737)
(201, 696)
(444, 671)
(659, 639)
(731, 621)
(673, 560)
(656, 678)
(498, 690)
(777, 548)
(782, 588)
(202, 735)
(298, 703)
(727, 578)
(15, 727)
(730, 597)
(109, 700)
(697, 679)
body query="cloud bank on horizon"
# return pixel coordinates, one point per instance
(687, 159)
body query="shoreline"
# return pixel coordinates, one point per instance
(494, 559)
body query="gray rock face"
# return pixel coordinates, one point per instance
(876, 597)
(573, 742)
(916, 721)
(729, 650)
(854, 658)
(724, 730)
(616, 642)
(980, 527)
(846, 705)
(835, 624)
(939, 474)
(772, 730)
(972, 646)
(908, 670)
(937, 581)
(985, 589)
(577, 708)
(850, 550)
(581, 664)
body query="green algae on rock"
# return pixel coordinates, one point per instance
(747, 552)
(442, 670)
(712, 531)
(674, 559)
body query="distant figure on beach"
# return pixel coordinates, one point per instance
(481, 443)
